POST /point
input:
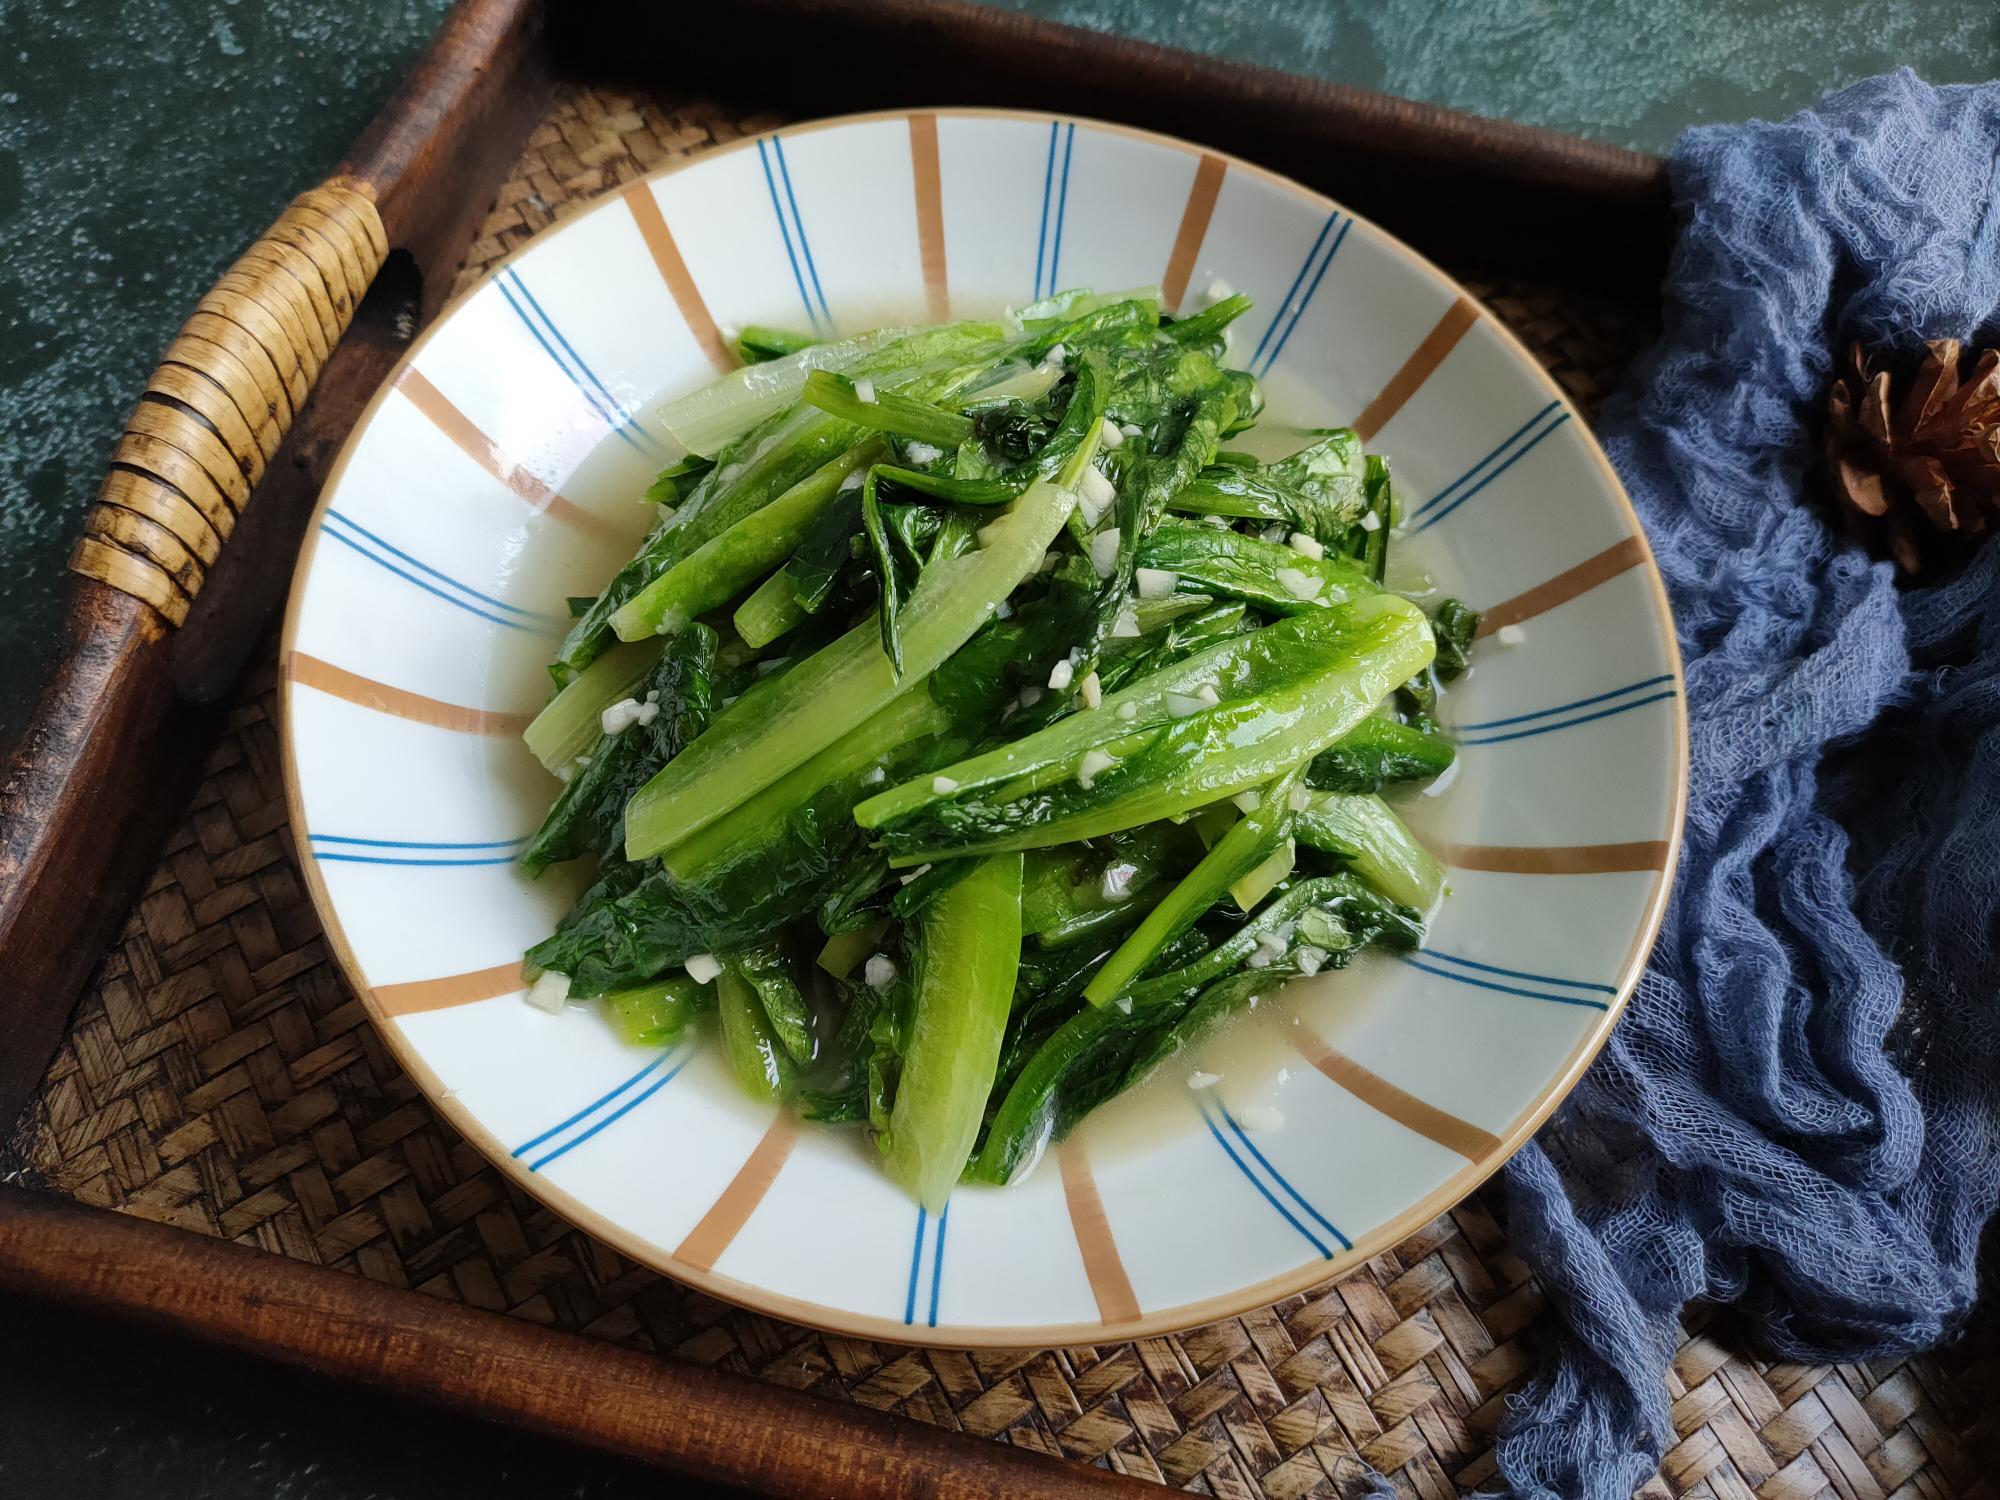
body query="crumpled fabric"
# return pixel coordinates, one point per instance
(1799, 1114)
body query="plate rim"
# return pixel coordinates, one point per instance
(824, 1319)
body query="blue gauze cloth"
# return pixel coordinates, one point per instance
(1800, 1111)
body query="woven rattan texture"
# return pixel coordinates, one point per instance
(221, 1076)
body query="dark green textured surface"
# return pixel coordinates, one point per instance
(1637, 72)
(142, 144)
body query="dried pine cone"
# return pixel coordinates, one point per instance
(1914, 462)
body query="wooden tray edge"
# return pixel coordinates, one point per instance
(707, 1423)
(1479, 193)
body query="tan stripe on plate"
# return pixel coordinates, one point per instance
(1407, 1110)
(930, 213)
(324, 676)
(1418, 368)
(1561, 859)
(726, 1217)
(482, 450)
(1565, 586)
(453, 989)
(674, 271)
(1109, 1284)
(1194, 229)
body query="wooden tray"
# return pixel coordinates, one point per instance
(217, 1076)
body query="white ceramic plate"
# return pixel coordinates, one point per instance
(497, 472)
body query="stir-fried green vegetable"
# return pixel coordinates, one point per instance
(655, 1014)
(1243, 849)
(968, 951)
(975, 729)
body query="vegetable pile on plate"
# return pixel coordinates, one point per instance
(974, 728)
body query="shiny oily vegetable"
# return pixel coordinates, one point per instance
(977, 728)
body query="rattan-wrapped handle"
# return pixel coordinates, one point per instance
(225, 394)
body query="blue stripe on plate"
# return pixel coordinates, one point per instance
(784, 229)
(1563, 708)
(1470, 963)
(1518, 454)
(1506, 989)
(916, 1266)
(1305, 267)
(1062, 209)
(1048, 197)
(1258, 1183)
(1535, 729)
(411, 578)
(937, 1260)
(798, 223)
(387, 546)
(341, 838)
(914, 1294)
(1470, 474)
(1306, 301)
(1278, 1177)
(327, 857)
(606, 1123)
(591, 1108)
(602, 405)
(585, 379)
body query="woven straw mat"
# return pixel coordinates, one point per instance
(221, 1076)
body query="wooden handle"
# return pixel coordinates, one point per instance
(226, 393)
(762, 1437)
